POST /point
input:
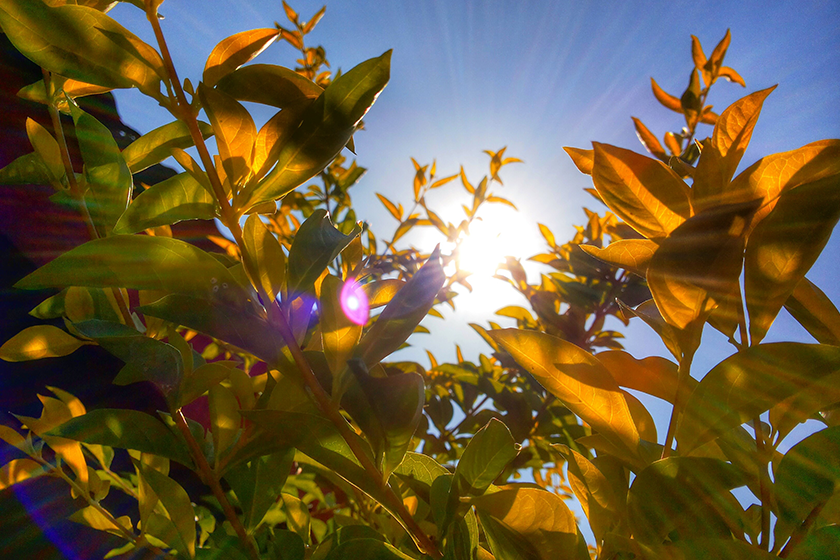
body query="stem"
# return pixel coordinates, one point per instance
(75, 191)
(209, 478)
(763, 483)
(802, 531)
(682, 374)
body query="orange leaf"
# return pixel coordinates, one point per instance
(236, 50)
(666, 99)
(648, 140)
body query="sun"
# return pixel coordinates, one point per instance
(483, 250)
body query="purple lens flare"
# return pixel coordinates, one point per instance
(354, 302)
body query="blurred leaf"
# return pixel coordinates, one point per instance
(369, 549)
(172, 200)
(379, 293)
(750, 382)
(648, 140)
(268, 254)
(403, 313)
(40, 341)
(339, 334)
(721, 155)
(176, 502)
(82, 44)
(269, 85)
(18, 470)
(317, 243)
(235, 132)
(236, 50)
(200, 381)
(630, 254)
(642, 191)
(784, 245)
(108, 178)
(391, 207)
(576, 378)
(690, 494)
(155, 146)
(732, 76)
(814, 311)
(93, 518)
(225, 420)
(297, 517)
(327, 126)
(666, 99)
(125, 429)
(821, 544)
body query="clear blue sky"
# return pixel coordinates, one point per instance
(537, 76)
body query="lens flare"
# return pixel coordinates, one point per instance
(354, 302)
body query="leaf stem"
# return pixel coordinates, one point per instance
(683, 372)
(802, 531)
(763, 483)
(209, 478)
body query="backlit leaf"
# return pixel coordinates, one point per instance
(155, 146)
(200, 381)
(172, 200)
(372, 549)
(576, 378)
(652, 375)
(236, 50)
(390, 206)
(629, 254)
(28, 169)
(317, 243)
(664, 98)
(814, 311)
(18, 470)
(269, 85)
(46, 147)
(327, 126)
(268, 254)
(40, 341)
(642, 191)
(338, 332)
(297, 517)
(648, 140)
(273, 136)
(784, 245)
(235, 132)
(750, 382)
(176, 502)
(258, 484)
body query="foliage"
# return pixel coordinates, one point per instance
(315, 446)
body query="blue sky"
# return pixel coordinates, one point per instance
(536, 76)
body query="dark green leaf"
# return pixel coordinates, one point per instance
(343, 535)
(155, 146)
(201, 380)
(175, 199)
(257, 484)
(28, 169)
(316, 244)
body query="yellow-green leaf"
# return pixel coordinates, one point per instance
(155, 146)
(340, 335)
(236, 50)
(270, 85)
(176, 503)
(297, 517)
(46, 147)
(235, 132)
(652, 375)
(40, 341)
(172, 200)
(814, 311)
(18, 470)
(644, 192)
(631, 254)
(268, 254)
(273, 136)
(95, 519)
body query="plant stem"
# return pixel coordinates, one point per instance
(802, 531)
(682, 374)
(209, 478)
(763, 483)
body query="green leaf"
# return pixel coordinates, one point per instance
(807, 476)
(821, 544)
(172, 200)
(268, 254)
(236, 50)
(631, 254)
(369, 549)
(690, 494)
(270, 85)
(403, 313)
(316, 244)
(338, 333)
(18, 470)
(722, 154)
(344, 535)
(125, 429)
(176, 502)
(141, 262)
(418, 472)
(257, 484)
(784, 246)
(200, 381)
(28, 169)
(59, 86)
(155, 146)
(273, 136)
(576, 378)
(750, 382)
(814, 311)
(705, 548)
(643, 192)
(698, 265)
(235, 132)
(225, 420)
(83, 44)
(40, 341)
(46, 147)
(541, 519)
(327, 126)
(297, 517)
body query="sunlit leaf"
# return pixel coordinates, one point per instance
(155, 146)
(327, 126)
(721, 155)
(172, 200)
(664, 98)
(630, 254)
(236, 50)
(297, 516)
(419, 471)
(40, 341)
(750, 382)
(338, 332)
(576, 378)
(391, 207)
(95, 519)
(83, 44)
(176, 502)
(316, 244)
(60, 85)
(125, 429)
(814, 311)
(732, 76)
(235, 132)
(268, 254)
(269, 85)
(652, 375)
(784, 246)
(648, 140)
(18, 470)
(642, 191)
(46, 147)
(28, 169)
(273, 136)
(373, 549)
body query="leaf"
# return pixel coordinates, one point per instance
(46, 147)
(172, 200)
(541, 519)
(140, 262)
(106, 173)
(648, 140)
(369, 549)
(814, 311)
(418, 472)
(720, 156)
(806, 477)
(235, 132)
(18, 470)
(317, 243)
(379, 293)
(576, 378)
(155, 146)
(699, 264)
(269, 85)
(750, 382)
(236, 50)
(40, 341)
(176, 502)
(391, 207)
(297, 517)
(684, 493)
(630, 254)
(200, 381)
(784, 246)
(225, 420)
(257, 485)
(327, 126)
(268, 254)
(125, 429)
(666, 99)
(59, 85)
(273, 136)
(732, 76)
(82, 44)
(339, 334)
(644, 192)
(652, 375)
(28, 169)
(403, 313)
(93, 518)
